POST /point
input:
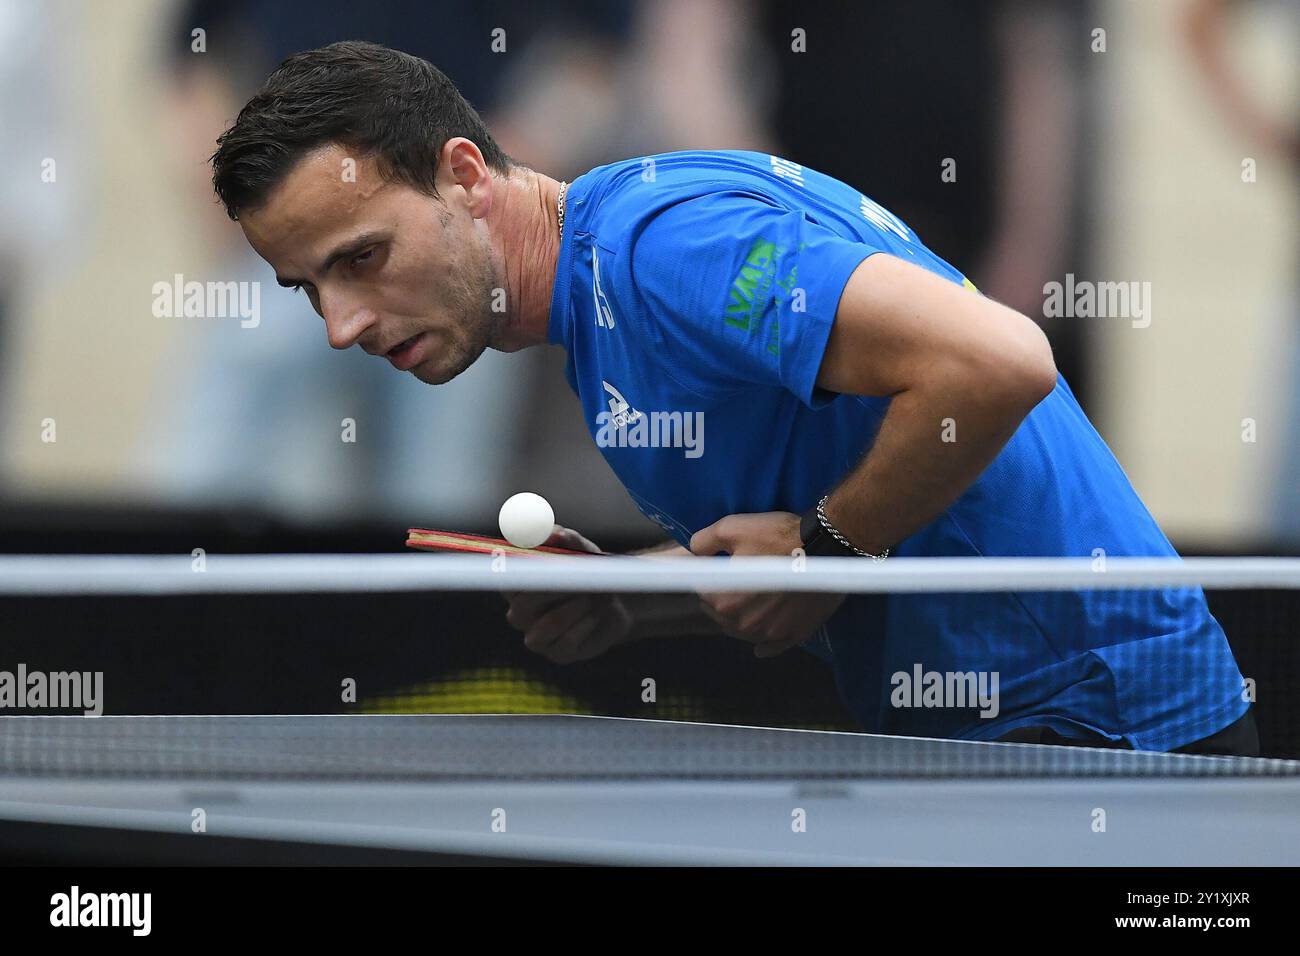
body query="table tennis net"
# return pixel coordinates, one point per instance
(426, 635)
(543, 748)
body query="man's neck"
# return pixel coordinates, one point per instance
(528, 239)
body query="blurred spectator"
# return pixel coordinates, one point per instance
(40, 113)
(1270, 128)
(884, 94)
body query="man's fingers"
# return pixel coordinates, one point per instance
(731, 604)
(556, 622)
(710, 541)
(727, 610)
(742, 611)
(571, 646)
(562, 537)
(707, 605)
(758, 619)
(527, 606)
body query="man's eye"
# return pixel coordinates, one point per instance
(363, 256)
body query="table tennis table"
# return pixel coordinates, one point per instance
(594, 790)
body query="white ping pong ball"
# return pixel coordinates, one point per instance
(526, 520)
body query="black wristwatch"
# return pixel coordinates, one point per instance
(817, 540)
(820, 537)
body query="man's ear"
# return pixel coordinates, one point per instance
(462, 165)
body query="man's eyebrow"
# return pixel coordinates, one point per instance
(350, 247)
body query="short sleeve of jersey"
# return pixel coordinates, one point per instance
(735, 291)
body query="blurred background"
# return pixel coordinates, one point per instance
(1151, 142)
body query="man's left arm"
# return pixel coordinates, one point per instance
(951, 361)
(956, 366)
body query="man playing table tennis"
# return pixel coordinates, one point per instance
(856, 395)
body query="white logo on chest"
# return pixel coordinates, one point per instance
(620, 412)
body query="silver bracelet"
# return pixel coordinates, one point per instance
(834, 532)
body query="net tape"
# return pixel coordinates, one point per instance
(251, 574)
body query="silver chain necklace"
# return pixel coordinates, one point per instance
(564, 189)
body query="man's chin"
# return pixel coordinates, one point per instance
(431, 373)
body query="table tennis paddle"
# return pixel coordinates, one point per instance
(473, 543)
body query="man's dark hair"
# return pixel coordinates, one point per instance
(382, 103)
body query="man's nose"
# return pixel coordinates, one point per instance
(345, 321)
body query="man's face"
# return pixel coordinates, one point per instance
(401, 274)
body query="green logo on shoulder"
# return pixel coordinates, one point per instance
(752, 290)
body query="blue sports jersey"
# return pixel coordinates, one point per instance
(694, 295)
